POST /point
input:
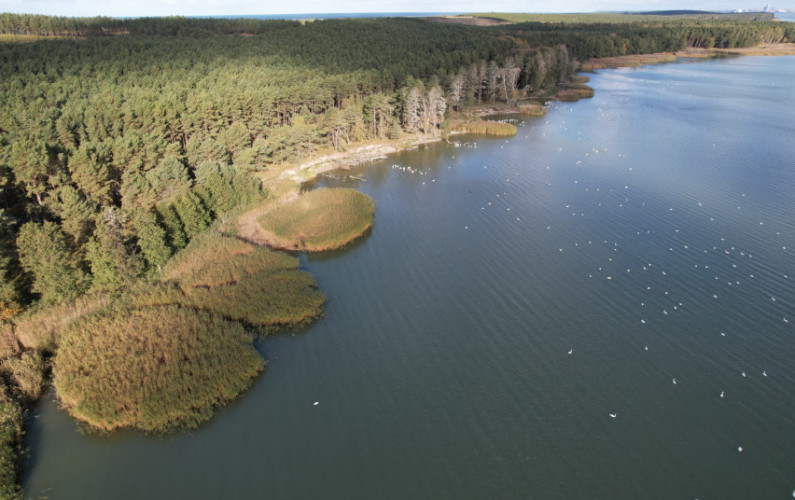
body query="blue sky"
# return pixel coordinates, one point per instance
(222, 7)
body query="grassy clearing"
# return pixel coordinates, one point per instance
(154, 368)
(319, 220)
(487, 127)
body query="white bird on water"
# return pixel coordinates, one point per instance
(571, 350)
(316, 403)
(721, 393)
(674, 381)
(613, 415)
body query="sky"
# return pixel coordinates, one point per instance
(135, 8)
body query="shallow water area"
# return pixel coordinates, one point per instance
(602, 306)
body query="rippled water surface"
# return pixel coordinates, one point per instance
(600, 307)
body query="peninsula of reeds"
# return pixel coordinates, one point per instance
(319, 220)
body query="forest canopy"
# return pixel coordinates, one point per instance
(124, 140)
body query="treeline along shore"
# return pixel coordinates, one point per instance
(144, 162)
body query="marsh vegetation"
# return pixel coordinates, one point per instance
(319, 220)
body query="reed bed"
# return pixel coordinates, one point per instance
(489, 128)
(575, 92)
(39, 329)
(238, 281)
(26, 375)
(532, 110)
(154, 368)
(8, 341)
(627, 61)
(319, 220)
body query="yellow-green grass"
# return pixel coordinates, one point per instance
(165, 353)
(488, 127)
(575, 92)
(627, 61)
(580, 79)
(319, 220)
(239, 281)
(14, 38)
(8, 341)
(532, 110)
(154, 368)
(39, 329)
(26, 374)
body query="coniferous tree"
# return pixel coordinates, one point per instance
(151, 239)
(113, 260)
(56, 269)
(192, 213)
(170, 222)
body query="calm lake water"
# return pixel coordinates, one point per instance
(600, 307)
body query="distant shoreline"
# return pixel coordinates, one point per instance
(286, 180)
(773, 49)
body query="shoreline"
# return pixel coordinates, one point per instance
(633, 60)
(284, 181)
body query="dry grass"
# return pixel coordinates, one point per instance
(627, 61)
(154, 368)
(575, 92)
(468, 20)
(26, 373)
(773, 49)
(532, 110)
(13, 38)
(8, 342)
(487, 127)
(239, 281)
(319, 220)
(166, 353)
(39, 329)
(207, 250)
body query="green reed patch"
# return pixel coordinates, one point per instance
(153, 368)
(239, 281)
(319, 220)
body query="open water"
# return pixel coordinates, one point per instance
(600, 307)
